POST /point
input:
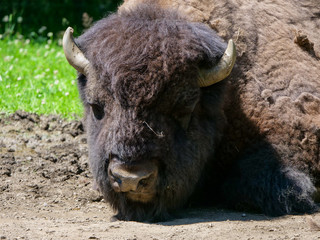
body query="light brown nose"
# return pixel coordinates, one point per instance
(136, 178)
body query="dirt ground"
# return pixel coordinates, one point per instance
(46, 193)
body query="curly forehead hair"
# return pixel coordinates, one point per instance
(146, 49)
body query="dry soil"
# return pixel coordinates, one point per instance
(46, 193)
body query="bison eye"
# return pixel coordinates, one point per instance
(97, 110)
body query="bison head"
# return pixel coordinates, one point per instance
(153, 119)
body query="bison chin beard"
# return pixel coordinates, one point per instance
(129, 210)
(173, 191)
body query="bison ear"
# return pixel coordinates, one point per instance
(73, 54)
(221, 70)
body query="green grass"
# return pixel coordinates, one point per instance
(36, 77)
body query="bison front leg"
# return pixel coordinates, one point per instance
(261, 181)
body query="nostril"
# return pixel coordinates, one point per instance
(118, 180)
(114, 178)
(143, 182)
(115, 181)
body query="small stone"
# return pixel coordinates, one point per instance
(93, 237)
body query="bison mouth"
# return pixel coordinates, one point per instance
(140, 197)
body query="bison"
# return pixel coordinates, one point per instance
(165, 131)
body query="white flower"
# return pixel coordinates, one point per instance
(20, 19)
(5, 18)
(8, 58)
(50, 34)
(42, 29)
(59, 54)
(67, 94)
(19, 78)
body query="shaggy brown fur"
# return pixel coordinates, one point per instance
(257, 147)
(143, 81)
(274, 77)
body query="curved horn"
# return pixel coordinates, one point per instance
(221, 70)
(73, 54)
